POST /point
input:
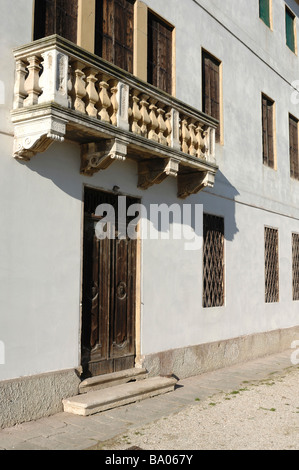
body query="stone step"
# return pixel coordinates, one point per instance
(110, 380)
(94, 402)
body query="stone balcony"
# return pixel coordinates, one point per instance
(63, 92)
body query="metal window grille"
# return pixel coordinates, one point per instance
(293, 142)
(271, 265)
(268, 131)
(295, 265)
(213, 261)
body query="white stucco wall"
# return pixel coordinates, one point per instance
(41, 202)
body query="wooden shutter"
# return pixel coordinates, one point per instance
(268, 131)
(211, 88)
(159, 53)
(114, 32)
(294, 157)
(56, 17)
(265, 11)
(290, 32)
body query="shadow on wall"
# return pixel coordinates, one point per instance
(61, 165)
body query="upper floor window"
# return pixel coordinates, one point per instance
(56, 17)
(211, 88)
(264, 7)
(294, 155)
(268, 131)
(114, 32)
(159, 60)
(290, 30)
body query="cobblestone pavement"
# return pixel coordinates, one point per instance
(248, 406)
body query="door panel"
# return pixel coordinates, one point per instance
(108, 301)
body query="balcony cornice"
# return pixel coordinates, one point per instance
(64, 92)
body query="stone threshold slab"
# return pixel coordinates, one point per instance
(101, 400)
(111, 380)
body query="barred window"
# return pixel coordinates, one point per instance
(271, 265)
(294, 153)
(295, 265)
(213, 261)
(268, 131)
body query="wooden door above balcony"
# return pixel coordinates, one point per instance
(64, 92)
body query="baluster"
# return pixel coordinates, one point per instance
(104, 99)
(152, 135)
(145, 119)
(185, 136)
(92, 94)
(19, 88)
(161, 126)
(136, 115)
(201, 142)
(206, 137)
(169, 128)
(193, 141)
(71, 87)
(80, 91)
(114, 102)
(31, 85)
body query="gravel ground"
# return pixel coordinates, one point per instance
(262, 415)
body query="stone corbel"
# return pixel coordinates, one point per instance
(37, 135)
(193, 183)
(154, 171)
(96, 156)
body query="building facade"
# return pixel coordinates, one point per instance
(149, 190)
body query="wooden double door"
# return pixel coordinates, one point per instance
(109, 292)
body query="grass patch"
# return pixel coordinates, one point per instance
(267, 409)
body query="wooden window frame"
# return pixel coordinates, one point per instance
(268, 132)
(219, 113)
(153, 61)
(292, 15)
(294, 146)
(271, 265)
(213, 261)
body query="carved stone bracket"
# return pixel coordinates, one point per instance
(37, 135)
(192, 183)
(96, 156)
(155, 171)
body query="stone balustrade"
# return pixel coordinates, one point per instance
(54, 73)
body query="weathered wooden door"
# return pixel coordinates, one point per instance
(109, 291)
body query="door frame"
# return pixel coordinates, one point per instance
(138, 358)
